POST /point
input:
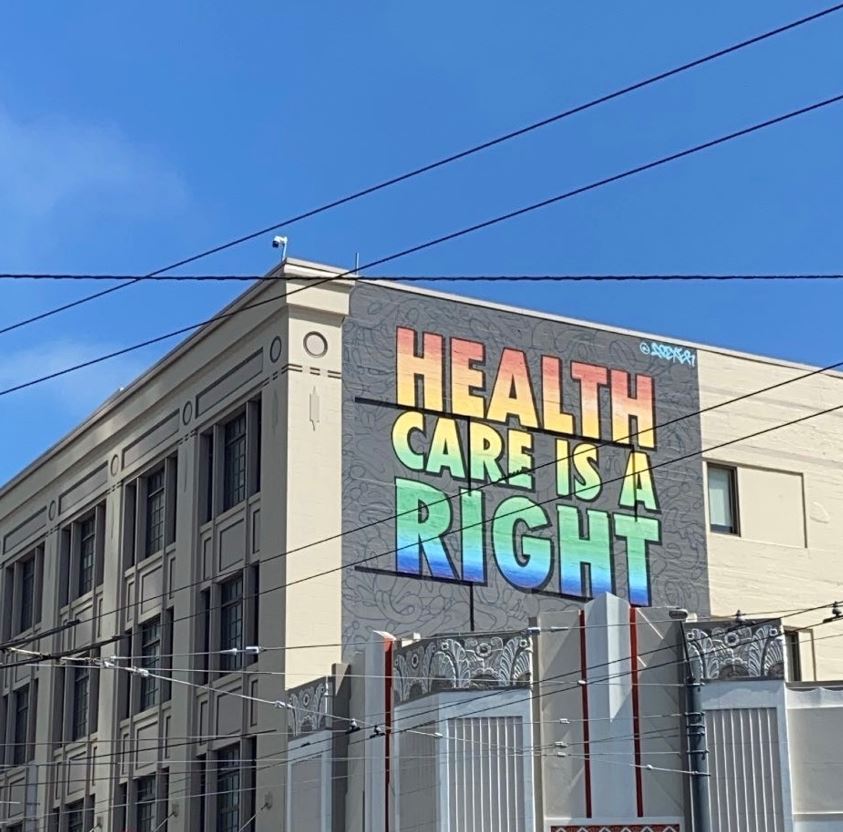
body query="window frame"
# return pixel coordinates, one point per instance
(732, 473)
(80, 723)
(230, 662)
(793, 654)
(228, 767)
(215, 496)
(22, 729)
(146, 802)
(76, 582)
(155, 514)
(26, 613)
(75, 812)
(149, 688)
(235, 460)
(85, 572)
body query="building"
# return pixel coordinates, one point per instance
(361, 457)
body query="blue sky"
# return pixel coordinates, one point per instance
(132, 135)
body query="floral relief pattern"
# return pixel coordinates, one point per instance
(637, 827)
(461, 663)
(308, 707)
(718, 650)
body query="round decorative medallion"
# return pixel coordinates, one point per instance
(115, 465)
(51, 512)
(187, 412)
(315, 344)
(275, 349)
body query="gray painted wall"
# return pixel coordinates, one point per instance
(384, 599)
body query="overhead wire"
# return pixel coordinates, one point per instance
(368, 558)
(416, 715)
(442, 278)
(488, 223)
(446, 160)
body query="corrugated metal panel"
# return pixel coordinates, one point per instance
(306, 794)
(486, 774)
(745, 772)
(417, 798)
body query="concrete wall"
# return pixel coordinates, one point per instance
(790, 492)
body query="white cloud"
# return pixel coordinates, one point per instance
(53, 163)
(76, 394)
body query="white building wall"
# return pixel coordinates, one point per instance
(790, 495)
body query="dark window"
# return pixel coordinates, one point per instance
(257, 457)
(203, 785)
(76, 817)
(145, 804)
(150, 649)
(723, 499)
(228, 789)
(793, 658)
(231, 623)
(20, 746)
(87, 555)
(208, 453)
(81, 697)
(27, 591)
(163, 801)
(120, 807)
(234, 462)
(155, 521)
(205, 632)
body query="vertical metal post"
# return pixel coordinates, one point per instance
(698, 755)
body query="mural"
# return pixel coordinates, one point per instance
(521, 464)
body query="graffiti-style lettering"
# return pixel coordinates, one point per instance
(668, 352)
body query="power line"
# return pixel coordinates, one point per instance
(608, 679)
(535, 206)
(710, 277)
(534, 468)
(416, 715)
(446, 160)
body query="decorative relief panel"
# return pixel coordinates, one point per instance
(461, 663)
(309, 706)
(726, 650)
(635, 827)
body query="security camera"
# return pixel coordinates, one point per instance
(279, 242)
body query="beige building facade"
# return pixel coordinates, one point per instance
(328, 459)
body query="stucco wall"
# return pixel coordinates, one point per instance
(790, 483)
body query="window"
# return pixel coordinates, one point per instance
(231, 623)
(793, 659)
(723, 499)
(27, 593)
(81, 701)
(87, 555)
(145, 804)
(81, 547)
(155, 524)
(150, 650)
(234, 463)
(228, 789)
(20, 745)
(76, 817)
(201, 796)
(230, 468)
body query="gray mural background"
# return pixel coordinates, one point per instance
(401, 605)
